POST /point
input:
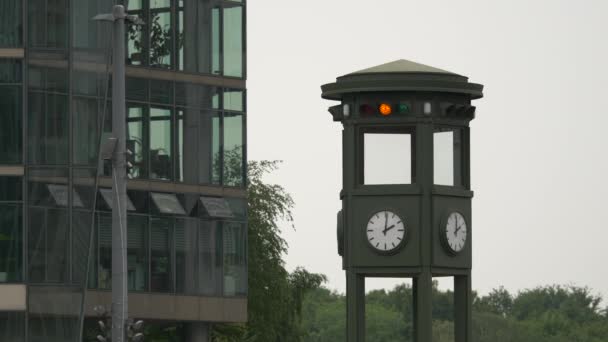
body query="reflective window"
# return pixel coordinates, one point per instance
(233, 149)
(160, 255)
(88, 33)
(448, 150)
(11, 243)
(135, 141)
(209, 148)
(235, 272)
(209, 259)
(11, 128)
(10, 70)
(48, 237)
(233, 41)
(81, 234)
(48, 23)
(104, 231)
(198, 38)
(11, 188)
(161, 42)
(48, 127)
(161, 92)
(233, 100)
(137, 253)
(387, 158)
(160, 144)
(86, 114)
(185, 237)
(12, 326)
(11, 29)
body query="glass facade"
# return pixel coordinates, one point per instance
(10, 111)
(186, 129)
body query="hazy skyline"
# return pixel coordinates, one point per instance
(538, 144)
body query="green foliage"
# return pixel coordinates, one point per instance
(543, 314)
(275, 295)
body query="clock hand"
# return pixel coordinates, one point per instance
(387, 229)
(385, 222)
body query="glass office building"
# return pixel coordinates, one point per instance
(186, 129)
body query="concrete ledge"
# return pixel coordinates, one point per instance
(16, 170)
(12, 53)
(175, 307)
(13, 297)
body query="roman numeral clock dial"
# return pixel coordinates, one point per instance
(385, 231)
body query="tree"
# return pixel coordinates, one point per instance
(275, 295)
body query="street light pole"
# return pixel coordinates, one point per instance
(118, 154)
(120, 303)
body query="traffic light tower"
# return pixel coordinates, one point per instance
(406, 197)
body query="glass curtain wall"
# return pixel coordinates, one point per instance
(198, 36)
(11, 28)
(11, 230)
(10, 111)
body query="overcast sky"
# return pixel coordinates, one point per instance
(539, 142)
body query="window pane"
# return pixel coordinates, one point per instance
(11, 29)
(48, 23)
(12, 326)
(10, 70)
(87, 113)
(233, 149)
(235, 271)
(198, 37)
(11, 243)
(233, 100)
(160, 39)
(48, 129)
(11, 188)
(215, 41)
(210, 263)
(447, 157)
(186, 254)
(233, 41)
(137, 253)
(135, 141)
(11, 128)
(197, 95)
(81, 234)
(161, 92)
(160, 262)
(209, 148)
(48, 238)
(104, 228)
(135, 47)
(387, 158)
(137, 89)
(89, 33)
(160, 144)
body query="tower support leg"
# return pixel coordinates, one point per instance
(463, 313)
(355, 307)
(423, 307)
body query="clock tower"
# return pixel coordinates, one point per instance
(406, 196)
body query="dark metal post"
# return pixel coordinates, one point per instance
(355, 307)
(119, 176)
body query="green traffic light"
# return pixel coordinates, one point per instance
(403, 108)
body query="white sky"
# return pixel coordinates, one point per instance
(539, 159)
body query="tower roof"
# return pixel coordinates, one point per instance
(402, 66)
(401, 76)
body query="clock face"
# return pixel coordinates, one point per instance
(455, 232)
(385, 231)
